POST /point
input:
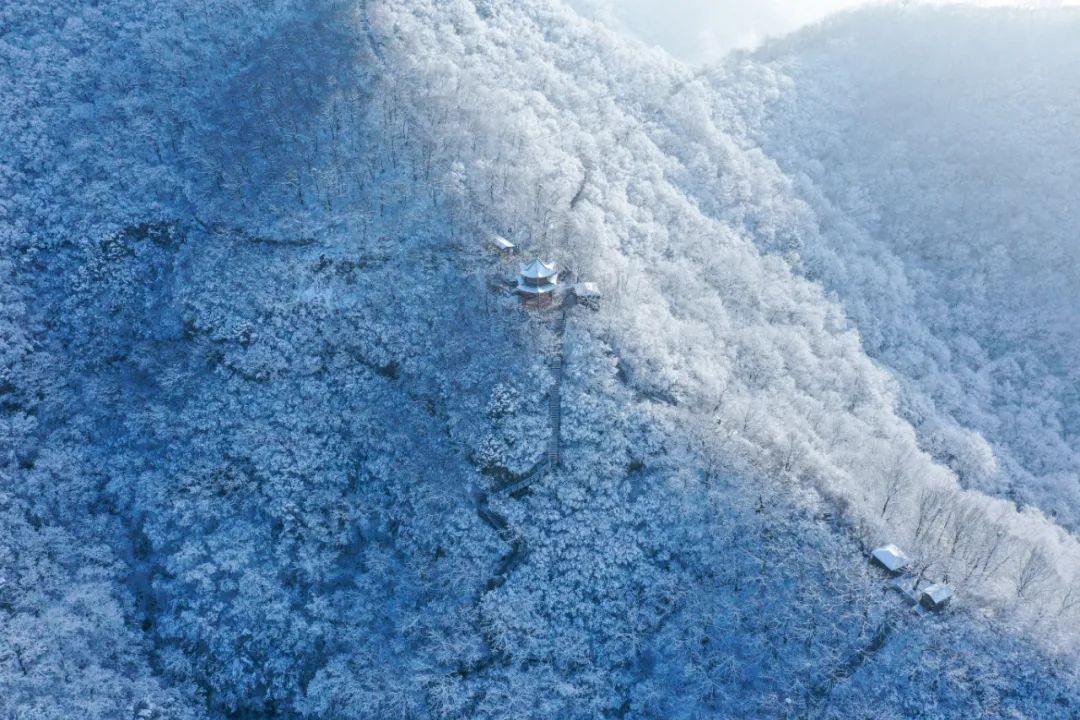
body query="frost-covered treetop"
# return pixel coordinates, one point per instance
(277, 439)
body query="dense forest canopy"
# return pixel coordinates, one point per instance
(932, 165)
(263, 386)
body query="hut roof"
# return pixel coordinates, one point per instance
(587, 290)
(892, 557)
(938, 593)
(501, 243)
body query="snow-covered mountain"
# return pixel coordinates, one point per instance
(278, 441)
(945, 192)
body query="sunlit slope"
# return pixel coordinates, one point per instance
(939, 150)
(646, 176)
(266, 393)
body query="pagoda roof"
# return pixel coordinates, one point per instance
(538, 270)
(536, 289)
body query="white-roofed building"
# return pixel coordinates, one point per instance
(588, 294)
(502, 245)
(537, 283)
(936, 596)
(891, 558)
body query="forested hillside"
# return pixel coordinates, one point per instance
(945, 191)
(263, 386)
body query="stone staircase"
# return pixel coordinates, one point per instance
(551, 458)
(555, 412)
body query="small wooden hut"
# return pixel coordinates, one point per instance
(891, 558)
(587, 294)
(503, 246)
(936, 596)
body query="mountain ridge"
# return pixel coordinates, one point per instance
(265, 367)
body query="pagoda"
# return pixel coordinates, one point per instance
(537, 284)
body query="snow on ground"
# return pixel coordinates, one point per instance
(262, 365)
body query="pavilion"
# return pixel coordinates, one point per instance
(537, 284)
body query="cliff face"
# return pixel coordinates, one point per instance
(265, 385)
